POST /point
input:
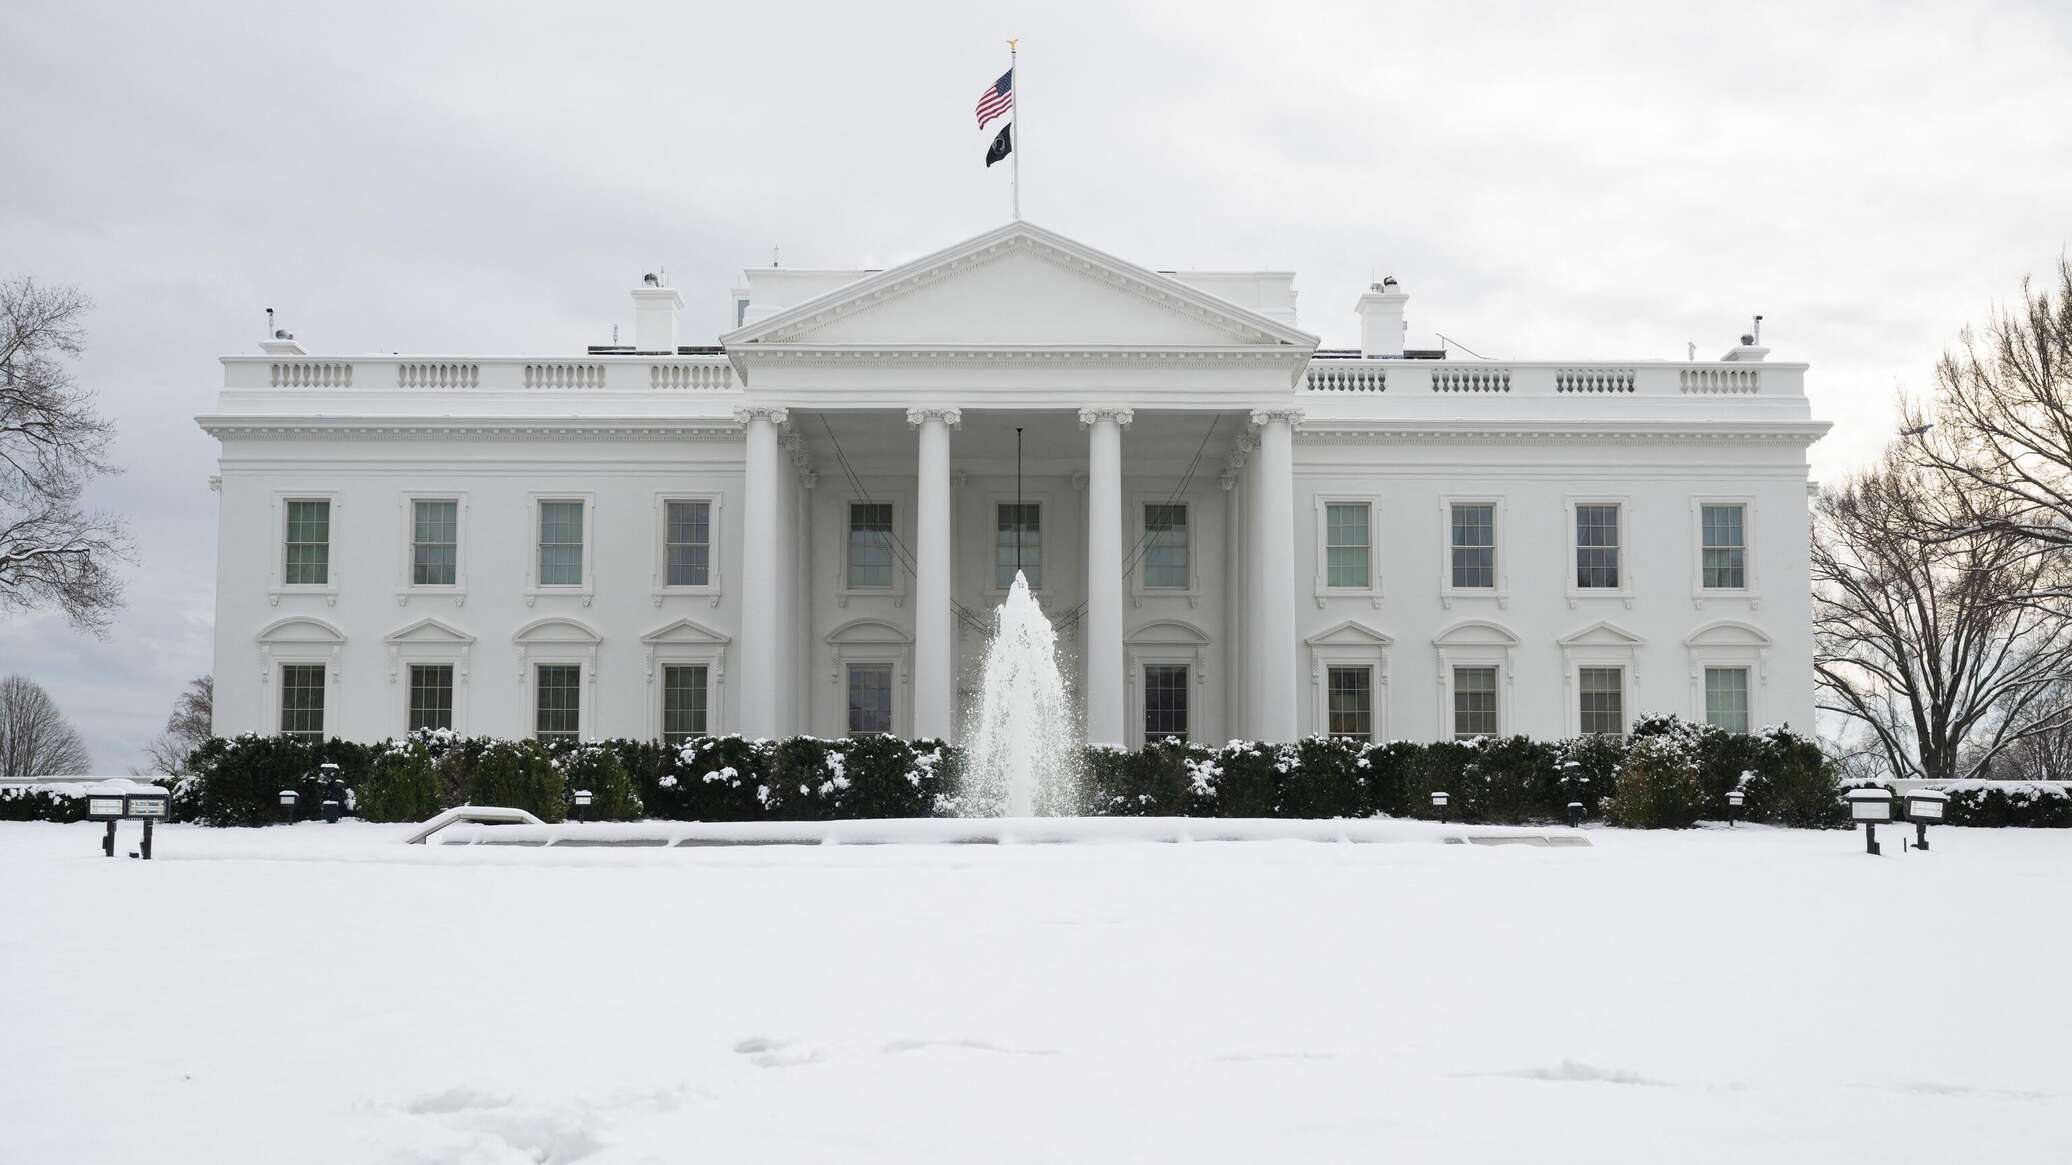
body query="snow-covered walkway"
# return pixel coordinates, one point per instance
(330, 994)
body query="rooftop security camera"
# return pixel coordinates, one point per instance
(651, 279)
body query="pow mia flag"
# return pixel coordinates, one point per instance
(1003, 145)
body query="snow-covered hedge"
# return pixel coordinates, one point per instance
(1509, 780)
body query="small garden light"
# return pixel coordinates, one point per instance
(105, 806)
(1735, 797)
(1926, 807)
(1439, 801)
(331, 809)
(289, 798)
(1575, 814)
(1870, 806)
(582, 798)
(148, 805)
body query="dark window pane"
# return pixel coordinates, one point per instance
(1165, 701)
(1474, 702)
(684, 708)
(687, 544)
(302, 700)
(1018, 536)
(870, 698)
(870, 544)
(1351, 695)
(558, 701)
(1165, 547)
(431, 696)
(1603, 699)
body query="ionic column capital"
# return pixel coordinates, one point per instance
(775, 414)
(954, 418)
(1264, 417)
(1120, 416)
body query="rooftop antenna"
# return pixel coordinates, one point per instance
(1019, 513)
(269, 321)
(1757, 332)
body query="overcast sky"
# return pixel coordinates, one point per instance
(1603, 181)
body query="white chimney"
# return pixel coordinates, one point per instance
(1381, 320)
(655, 309)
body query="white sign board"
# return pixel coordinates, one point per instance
(104, 806)
(147, 806)
(1871, 810)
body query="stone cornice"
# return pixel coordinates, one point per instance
(833, 355)
(1576, 432)
(630, 429)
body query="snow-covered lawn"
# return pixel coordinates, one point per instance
(329, 994)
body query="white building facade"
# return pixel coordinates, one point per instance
(806, 527)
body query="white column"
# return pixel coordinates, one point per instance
(1234, 711)
(1104, 699)
(1273, 548)
(765, 522)
(935, 681)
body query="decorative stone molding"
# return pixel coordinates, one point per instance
(1264, 417)
(443, 428)
(775, 414)
(1795, 433)
(1121, 416)
(954, 418)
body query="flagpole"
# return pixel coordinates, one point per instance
(1014, 155)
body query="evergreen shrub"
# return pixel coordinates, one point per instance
(1658, 785)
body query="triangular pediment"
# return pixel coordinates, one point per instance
(685, 631)
(429, 631)
(1351, 633)
(1602, 634)
(1019, 286)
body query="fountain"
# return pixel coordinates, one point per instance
(1022, 759)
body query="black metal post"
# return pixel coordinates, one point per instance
(108, 842)
(147, 839)
(1921, 834)
(1870, 838)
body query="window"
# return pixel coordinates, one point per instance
(308, 561)
(302, 700)
(1018, 537)
(557, 701)
(1726, 698)
(561, 544)
(1348, 545)
(1724, 550)
(434, 543)
(1474, 545)
(431, 695)
(870, 545)
(683, 703)
(687, 544)
(1603, 700)
(1351, 694)
(1165, 547)
(1597, 547)
(1165, 701)
(1474, 702)
(870, 698)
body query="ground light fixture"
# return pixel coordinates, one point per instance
(582, 798)
(1575, 814)
(1439, 801)
(1735, 798)
(146, 805)
(1926, 807)
(289, 799)
(105, 805)
(1870, 806)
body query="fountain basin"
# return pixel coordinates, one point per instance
(1001, 831)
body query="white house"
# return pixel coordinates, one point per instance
(805, 528)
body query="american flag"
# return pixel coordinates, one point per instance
(997, 98)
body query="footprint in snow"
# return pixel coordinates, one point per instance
(769, 1052)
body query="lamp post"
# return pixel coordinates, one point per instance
(1439, 801)
(1734, 799)
(1925, 806)
(289, 798)
(1870, 806)
(582, 798)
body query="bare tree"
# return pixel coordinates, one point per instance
(190, 723)
(2000, 427)
(1943, 635)
(53, 551)
(35, 741)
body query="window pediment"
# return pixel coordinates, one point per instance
(1351, 633)
(1602, 633)
(430, 631)
(869, 631)
(557, 630)
(1727, 633)
(301, 629)
(1477, 633)
(1174, 632)
(686, 632)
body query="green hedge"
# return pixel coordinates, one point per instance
(1509, 780)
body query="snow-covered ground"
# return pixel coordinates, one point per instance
(329, 994)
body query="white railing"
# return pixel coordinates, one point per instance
(441, 374)
(1347, 376)
(1568, 379)
(312, 374)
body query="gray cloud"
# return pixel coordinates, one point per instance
(1547, 181)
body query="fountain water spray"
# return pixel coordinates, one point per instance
(1023, 758)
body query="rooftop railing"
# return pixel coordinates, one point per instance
(671, 374)
(1536, 378)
